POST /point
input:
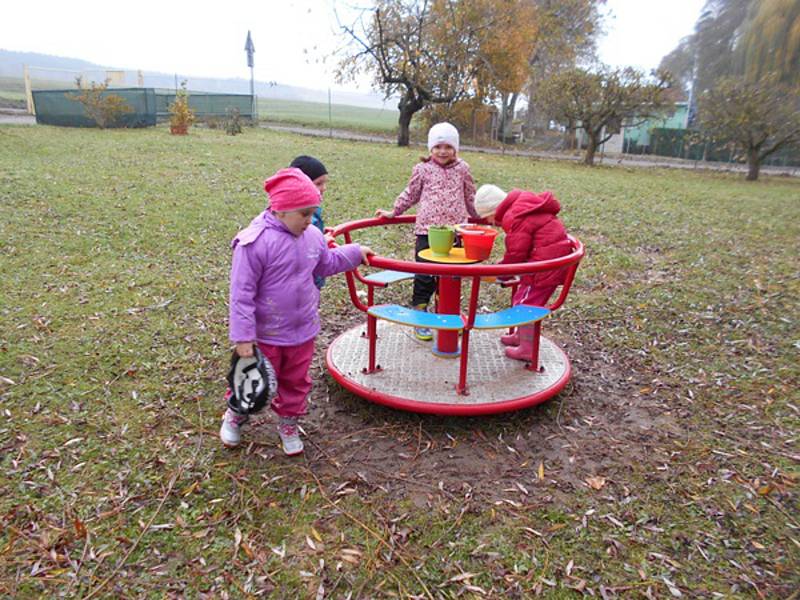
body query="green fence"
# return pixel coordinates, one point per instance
(689, 144)
(205, 104)
(59, 107)
(148, 106)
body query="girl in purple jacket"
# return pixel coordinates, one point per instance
(443, 186)
(274, 301)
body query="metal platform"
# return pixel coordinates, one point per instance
(413, 378)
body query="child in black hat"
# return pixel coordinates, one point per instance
(318, 175)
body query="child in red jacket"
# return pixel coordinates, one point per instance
(533, 233)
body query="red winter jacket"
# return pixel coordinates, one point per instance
(533, 232)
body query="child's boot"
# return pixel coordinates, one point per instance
(422, 333)
(230, 432)
(510, 339)
(290, 436)
(523, 351)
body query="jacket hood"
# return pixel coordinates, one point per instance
(527, 202)
(266, 220)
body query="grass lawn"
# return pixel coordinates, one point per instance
(340, 117)
(668, 467)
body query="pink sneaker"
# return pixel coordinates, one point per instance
(290, 436)
(230, 432)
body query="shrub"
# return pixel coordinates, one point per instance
(103, 108)
(181, 116)
(233, 124)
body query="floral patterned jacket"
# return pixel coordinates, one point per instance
(445, 194)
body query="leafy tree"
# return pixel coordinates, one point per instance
(103, 108)
(567, 34)
(599, 102)
(716, 34)
(506, 45)
(435, 51)
(758, 117)
(771, 41)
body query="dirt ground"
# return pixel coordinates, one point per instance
(598, 426)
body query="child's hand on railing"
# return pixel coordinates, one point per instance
(385, 214)
(366, 251)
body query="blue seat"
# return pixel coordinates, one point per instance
(386, 277)
(516, 316)
(415, 318)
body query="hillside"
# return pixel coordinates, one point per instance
(12, 63)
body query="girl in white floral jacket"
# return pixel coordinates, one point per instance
(443, 187)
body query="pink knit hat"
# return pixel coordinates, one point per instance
(291, 189)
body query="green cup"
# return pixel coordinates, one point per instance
(440, 239)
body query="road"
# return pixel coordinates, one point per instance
(19, 117)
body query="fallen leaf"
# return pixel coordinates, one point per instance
(80, 528)
(316, 534)
(463, 576)
(596, 482)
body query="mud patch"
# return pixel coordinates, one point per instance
(607, 421)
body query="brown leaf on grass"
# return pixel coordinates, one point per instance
(351, 555)
(463, 576)
(248, 551)
(596, 482)
(80, 528)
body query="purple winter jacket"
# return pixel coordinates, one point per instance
(273, 297)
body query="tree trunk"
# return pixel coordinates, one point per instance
(570, 136)
(753, 165)
(591, 148)
(533, 114)
(408, 105)
(404, 124)
(504, 118)
(512, 108)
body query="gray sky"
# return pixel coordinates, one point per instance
(293, 39)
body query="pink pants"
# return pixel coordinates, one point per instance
(291, 364)
(533, 296)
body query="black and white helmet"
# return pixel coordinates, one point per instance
(252, 382)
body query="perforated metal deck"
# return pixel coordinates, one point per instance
(413, 378)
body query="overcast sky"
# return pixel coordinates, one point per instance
(293, 38)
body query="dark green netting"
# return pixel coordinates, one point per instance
(206, 104)
(56, 107)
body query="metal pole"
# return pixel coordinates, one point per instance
(254, 104)
(330, 118)
(330, 115)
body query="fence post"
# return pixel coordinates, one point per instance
(28, 92)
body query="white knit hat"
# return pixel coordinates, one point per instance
(443, 133)
(488, 198)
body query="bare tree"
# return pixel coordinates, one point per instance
(759, 117)
(419, 50)
(599, 102)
